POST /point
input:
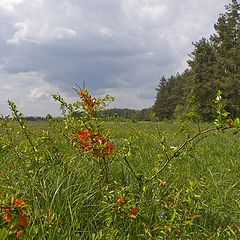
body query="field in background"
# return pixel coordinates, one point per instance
(67, 203)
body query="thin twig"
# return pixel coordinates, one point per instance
(177, 151)
(130, 167)
(162, 142)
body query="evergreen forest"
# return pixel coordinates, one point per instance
(213, 65)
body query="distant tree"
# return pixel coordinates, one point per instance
(145, 114)
(33, 118)
(125, 113)
(48, 117)
(171, 92)
(162, 106)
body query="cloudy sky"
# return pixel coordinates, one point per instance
(119, 47)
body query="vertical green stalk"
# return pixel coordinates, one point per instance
(18, 117)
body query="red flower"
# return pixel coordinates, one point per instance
(22, 222)
(87, 146)
(88, 103)
(83, 135)
(230, 122)
(90, 141)
(100, 139)
(110, 148)
(7, 216)
(107, 148)
(82, 92)
(104, 150)
(165, 184)
(19, 233)
(19, 203)
(121, 201)
(133, 212)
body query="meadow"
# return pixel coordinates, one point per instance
(55, 186)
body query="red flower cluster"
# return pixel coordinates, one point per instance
(133, 212)
(15, 211)
(96, 143)
(230, 123)
(83, 93)
(89, 103)
(7, 215)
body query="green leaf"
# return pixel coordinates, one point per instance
(237, 122)
(4, 233)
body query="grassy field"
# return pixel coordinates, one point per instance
(68, 195)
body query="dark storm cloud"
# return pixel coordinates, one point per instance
(120, 47)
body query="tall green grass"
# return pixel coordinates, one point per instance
(69, 201)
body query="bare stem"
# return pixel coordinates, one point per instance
(182, 146)
(130, 168)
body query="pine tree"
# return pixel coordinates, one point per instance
(171, 93)
(204, 86)
(226, 42)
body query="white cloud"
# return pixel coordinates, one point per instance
(63, 33)
(153, 12)
(23, 32)
(28, 31)
(106, 32)
(37, 93)
(31, 92)
(9, 4)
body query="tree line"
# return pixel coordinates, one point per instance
(213, 65)
(145, 114)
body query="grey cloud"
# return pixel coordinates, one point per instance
(121, 46)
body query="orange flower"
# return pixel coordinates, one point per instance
(106, 149)
(230, 122)
(19, 233)
(19, 203)
(110, 148)
(133, 212)
(121, 201)
(87, 146)
(100, 139)
(82, 92)
(7, 216)
(95, 142)
(88, 104)
(83, 135)
(165, 184)
(22, 222)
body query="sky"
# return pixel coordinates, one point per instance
(117, 47)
